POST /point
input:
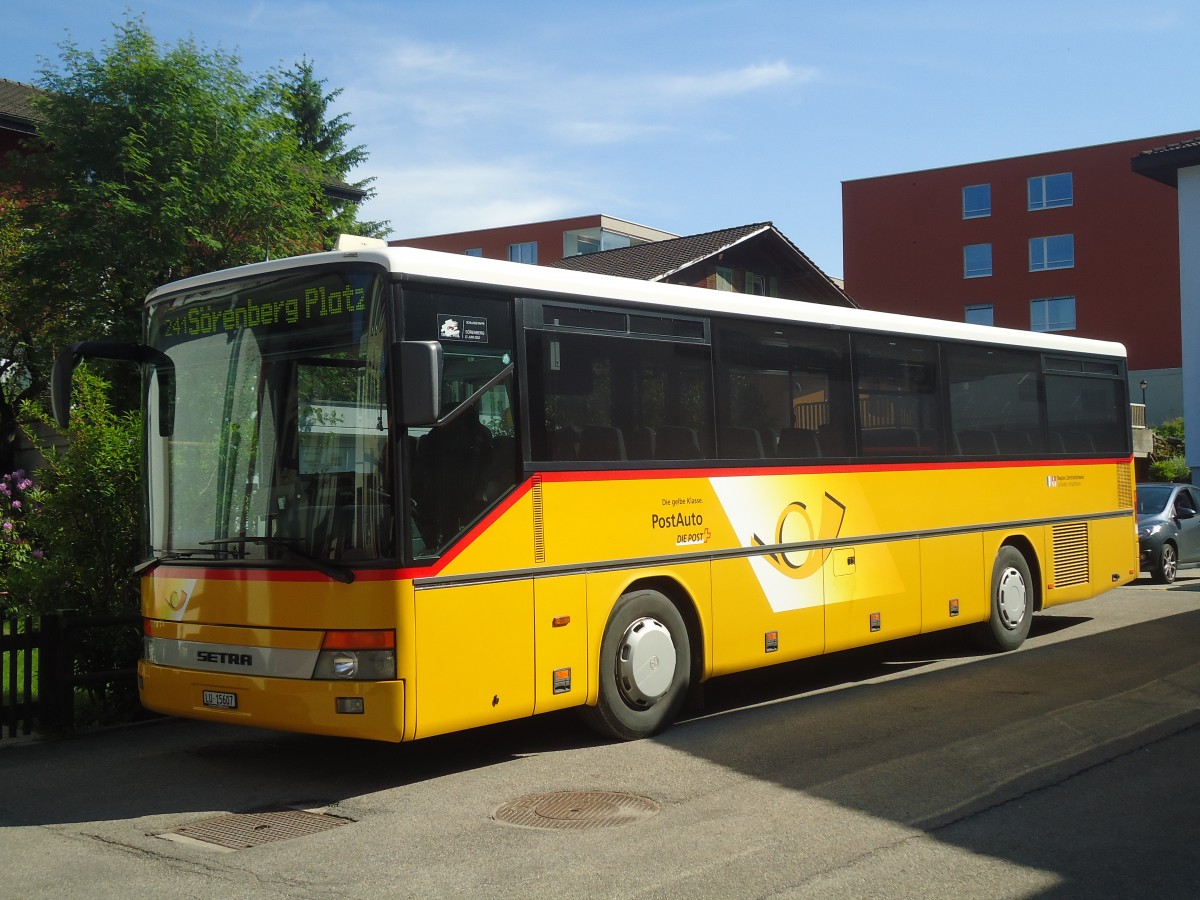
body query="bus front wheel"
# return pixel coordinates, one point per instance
(1012, 602)
(645, 667)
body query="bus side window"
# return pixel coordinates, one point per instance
(787, 384)
(599, 398)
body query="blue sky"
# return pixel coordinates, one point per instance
(682, 116)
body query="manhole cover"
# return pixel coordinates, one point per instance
(244, 830)
(575, 809)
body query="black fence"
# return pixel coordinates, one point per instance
(44, 670)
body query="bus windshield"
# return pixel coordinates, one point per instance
(278, 449)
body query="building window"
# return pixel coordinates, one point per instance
(1049, 191)
(1055, 252)
(977, 201)
(980, 314)
(756, 284)
(1052, 314)
(475, 251)
(523, 253)
(593, 240)
(724, 278)
(977, 260)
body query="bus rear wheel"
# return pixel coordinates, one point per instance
(1012, 602)
(645, 667)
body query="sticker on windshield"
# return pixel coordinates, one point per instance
(462, 328)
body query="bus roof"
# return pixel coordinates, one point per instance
(453, 268)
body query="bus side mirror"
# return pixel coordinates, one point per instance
(64, 368)
(420, 366)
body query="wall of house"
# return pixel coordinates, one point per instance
(904, 237)
(494, 242)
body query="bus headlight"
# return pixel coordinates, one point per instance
(357, 656)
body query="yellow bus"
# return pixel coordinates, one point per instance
(392, 493)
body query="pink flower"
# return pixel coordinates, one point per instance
(8, 526)
(25, 484)
(16, 504)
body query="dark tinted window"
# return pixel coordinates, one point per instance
(597, 397)
(783, 392)
(995, 401)
(896, 379)
(1087, 415)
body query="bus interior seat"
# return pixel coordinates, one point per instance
(798, 443)
(1017, 442)
(564, 443)
(740, 443)
(832, 438)
(973, 442)
(769, 441)
(639, 442)
(890, 439)
(676, 442)
(1073, 442)
(601, 442)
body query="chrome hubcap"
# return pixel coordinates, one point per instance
(645, 662)
(1011, 598)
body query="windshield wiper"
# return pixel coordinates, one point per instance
(337, 573)
(154, 562)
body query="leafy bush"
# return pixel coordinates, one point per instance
(17, 498)
(1173, 469)
(84, 521)
(1168, 463)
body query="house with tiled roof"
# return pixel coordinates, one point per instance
(750, 259)
(18, 121)
(747, 259)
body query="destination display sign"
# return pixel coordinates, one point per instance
(274, 306)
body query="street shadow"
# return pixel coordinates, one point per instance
(172, 766)
(917, 750)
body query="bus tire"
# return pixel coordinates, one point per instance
(645, 667)
(1011, 602)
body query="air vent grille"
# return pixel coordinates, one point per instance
(539, 525)
(1071, 563)
(1124, 486)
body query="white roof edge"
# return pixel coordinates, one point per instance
(712, 253)
(519, 277)
(635, 229)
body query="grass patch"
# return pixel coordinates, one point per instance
(9, 630)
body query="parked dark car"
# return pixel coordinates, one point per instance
(1168, 528)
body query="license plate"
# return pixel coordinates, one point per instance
(220, 699)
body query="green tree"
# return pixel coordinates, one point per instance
(18, 332)
(307, 104)
(151, 164)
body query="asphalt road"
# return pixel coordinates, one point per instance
(917, 769)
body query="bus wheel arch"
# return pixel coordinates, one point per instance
(1014, 595)
(649, 659)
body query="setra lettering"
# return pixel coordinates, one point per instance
(229, 659)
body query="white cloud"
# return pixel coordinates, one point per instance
(440, 198)
(732, 82)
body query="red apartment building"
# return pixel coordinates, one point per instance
(1072, 241)
(542, 243)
